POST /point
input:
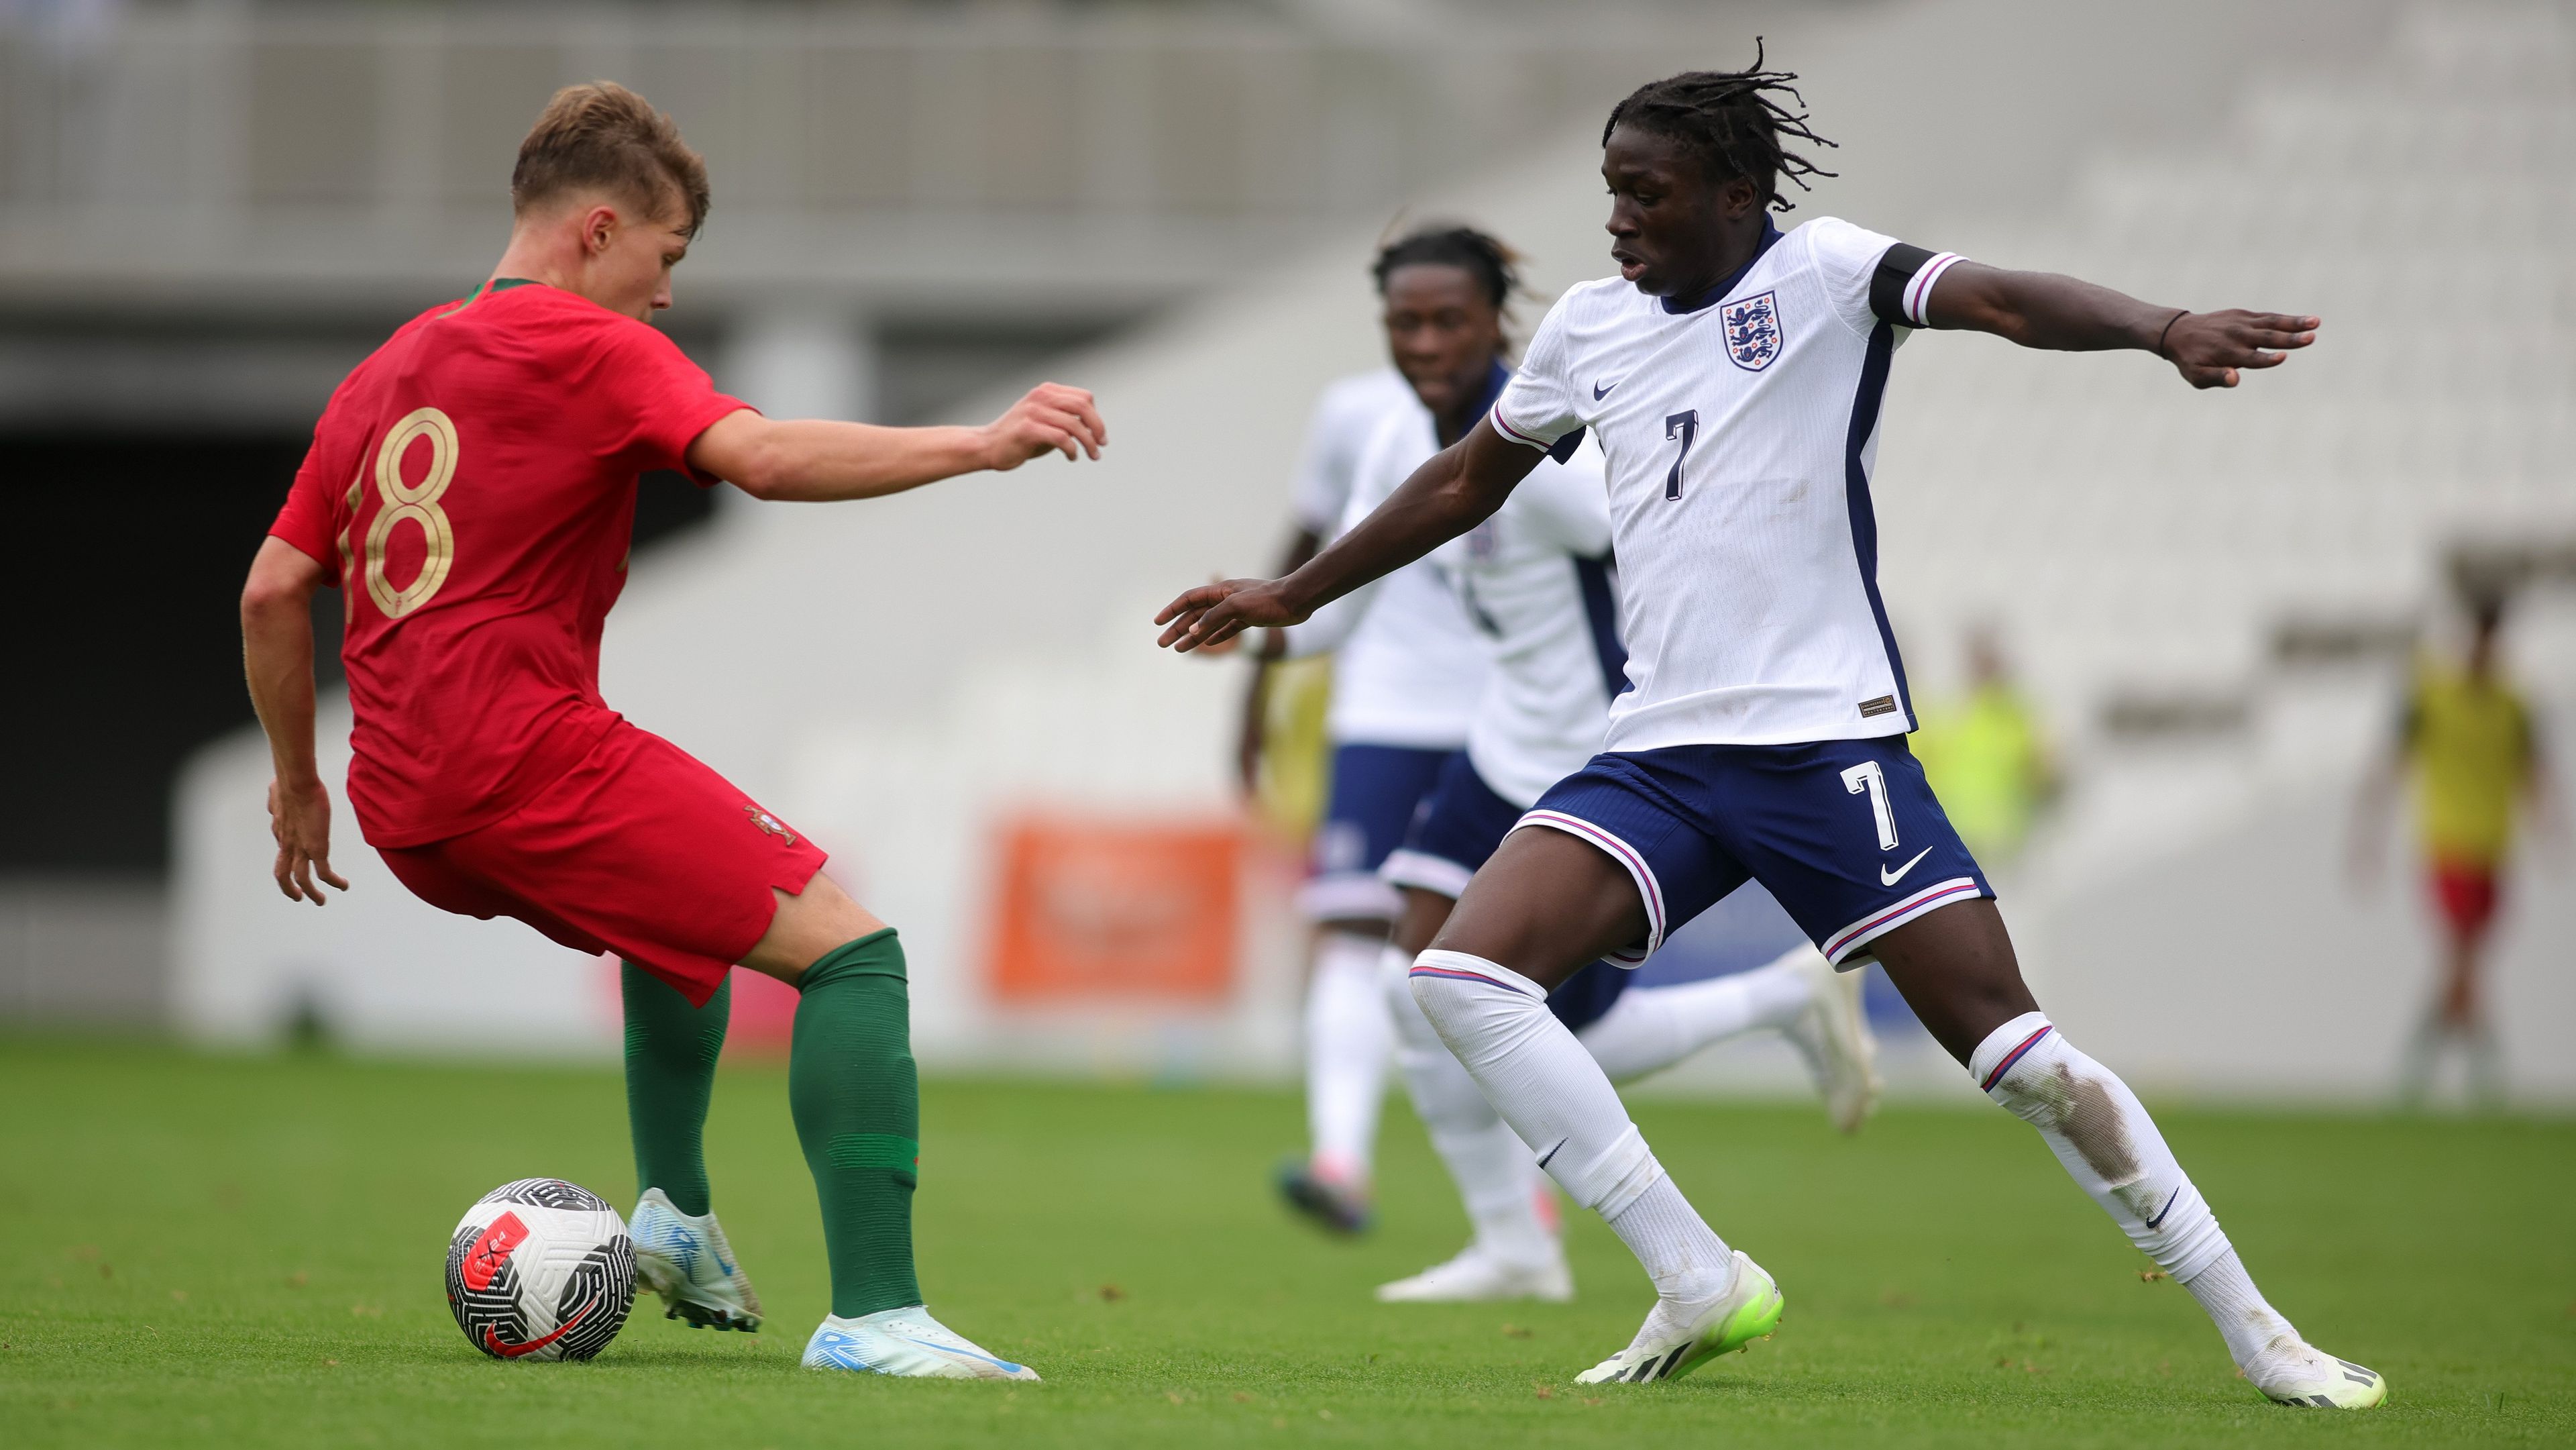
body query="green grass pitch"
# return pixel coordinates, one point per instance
(214, 1250)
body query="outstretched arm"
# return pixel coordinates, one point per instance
(2041, 309)
(277, 655)
(1459, 488)
(814, 460)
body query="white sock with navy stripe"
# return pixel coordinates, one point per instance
(1496, 1174)
(2111, 1148)
(1348, 1040)
(1556, 1098)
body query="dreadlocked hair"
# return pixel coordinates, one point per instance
(1732, 120)
(1496, 268)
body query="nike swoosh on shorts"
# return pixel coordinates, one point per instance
(1890, 878)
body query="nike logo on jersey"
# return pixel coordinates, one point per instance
(1602, 390)
(1890, 878)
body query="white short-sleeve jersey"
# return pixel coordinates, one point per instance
(1536, 581)
(1739, 429)
(1407, 665)
(1346, 413)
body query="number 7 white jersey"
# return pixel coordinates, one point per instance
(1739, 430)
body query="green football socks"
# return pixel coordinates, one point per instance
(671, 1052)
(857, 1104)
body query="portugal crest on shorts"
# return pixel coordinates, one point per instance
(769, 824)
(1752, 331)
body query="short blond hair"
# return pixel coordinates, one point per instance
(601, 136)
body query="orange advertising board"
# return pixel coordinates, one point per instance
(1108, 910)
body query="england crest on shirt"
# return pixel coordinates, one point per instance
(1752, 331)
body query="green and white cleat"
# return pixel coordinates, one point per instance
(1743, 1314)
(2306, 1375)
(906, 1342)
(685, 1259)
(1833, 1035)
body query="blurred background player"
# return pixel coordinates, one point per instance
(1406, 670)
(1537, 580)
(471, 491)
(1987, 756)
(2469, 745)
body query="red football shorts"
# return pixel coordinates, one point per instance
(640, 851)
(2466, 892)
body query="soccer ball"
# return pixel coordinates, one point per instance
(540, 1269)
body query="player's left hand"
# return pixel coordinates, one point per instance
(1052, 418)
(1212, 614)
(2209, 348)
(300, 820)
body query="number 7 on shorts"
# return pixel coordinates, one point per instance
(1866, 776)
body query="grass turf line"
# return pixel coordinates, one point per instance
(220, 1250)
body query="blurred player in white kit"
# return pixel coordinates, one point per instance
(1407, 671)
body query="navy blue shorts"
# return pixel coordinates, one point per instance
(1459, 829)
(1844, 832)
(1377, 791)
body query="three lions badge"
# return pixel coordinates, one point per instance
(1752, 331)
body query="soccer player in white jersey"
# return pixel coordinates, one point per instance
(1537, 580)
(1732, 375)
(1406, 674)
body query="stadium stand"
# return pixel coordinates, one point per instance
(2222, 590)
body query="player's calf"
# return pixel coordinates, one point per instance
(2112, 1149)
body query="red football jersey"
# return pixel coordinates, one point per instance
(472, 484)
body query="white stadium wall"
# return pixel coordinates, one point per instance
(900, 677)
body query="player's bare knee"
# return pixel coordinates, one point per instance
(806, 925)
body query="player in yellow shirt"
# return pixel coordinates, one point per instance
(1988, 757)
(2469, 748)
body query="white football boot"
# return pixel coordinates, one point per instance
(685, 1259)
(905, 1342)
(2302, 1374)
(1478, 1277)
(1833, 1035)
(1744, 1313)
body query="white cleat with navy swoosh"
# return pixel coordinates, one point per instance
(905, 1342)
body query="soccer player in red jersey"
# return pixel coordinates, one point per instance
(471, 491)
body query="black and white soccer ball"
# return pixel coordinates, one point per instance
(540, 1269)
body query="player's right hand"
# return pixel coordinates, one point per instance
(2209, 348)
(1214, 613)
(1052, 418)
(300, 820)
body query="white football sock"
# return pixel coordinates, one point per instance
(1689, 1263)
(1555, 1097)
(1496, 1175)
(2111, 1148)
(2251, 1326)
(1650, 1028)
(1348, 1038)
